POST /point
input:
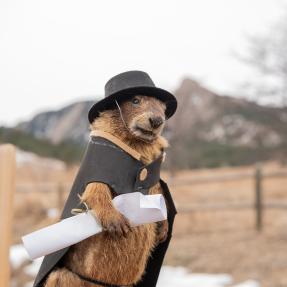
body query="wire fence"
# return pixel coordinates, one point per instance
(258, 203)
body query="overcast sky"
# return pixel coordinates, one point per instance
(56, 52)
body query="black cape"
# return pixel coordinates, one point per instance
(106, 162)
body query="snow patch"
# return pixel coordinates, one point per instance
(179, 276)
(52, 213)
(248, 283)
(18, 255)
(34, 267)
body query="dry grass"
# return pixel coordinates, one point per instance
(226, 240)
(204, 241)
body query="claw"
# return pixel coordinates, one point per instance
(117, 225)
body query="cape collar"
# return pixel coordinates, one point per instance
(121, 144)
(117, 142)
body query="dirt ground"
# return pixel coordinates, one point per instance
(204, 240)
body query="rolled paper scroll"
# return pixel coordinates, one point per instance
(138, 208)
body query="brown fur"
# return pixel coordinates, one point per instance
(118, 255)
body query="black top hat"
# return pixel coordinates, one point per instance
(128, 84)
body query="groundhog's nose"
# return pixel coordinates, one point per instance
(155, 122)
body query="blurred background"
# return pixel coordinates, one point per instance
(225, 61)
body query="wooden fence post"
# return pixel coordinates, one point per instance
(258, 197)
(7, 187)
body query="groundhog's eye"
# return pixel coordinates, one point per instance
(135, 101)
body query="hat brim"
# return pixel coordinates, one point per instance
(158, 93)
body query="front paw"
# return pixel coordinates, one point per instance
(115, 224)
(162, 231)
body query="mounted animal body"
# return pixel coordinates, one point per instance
(124, 155)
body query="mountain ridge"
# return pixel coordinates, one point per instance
(208, 129)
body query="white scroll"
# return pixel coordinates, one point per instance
(138, 208)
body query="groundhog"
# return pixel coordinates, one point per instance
(119, 254)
